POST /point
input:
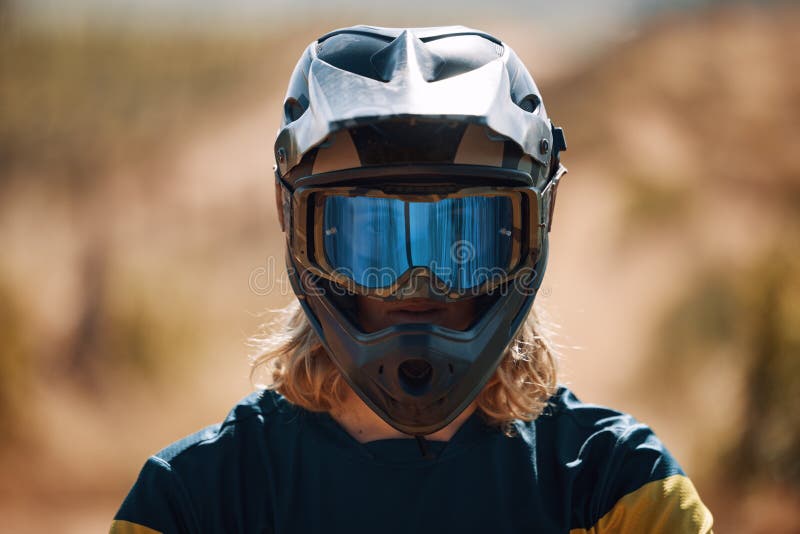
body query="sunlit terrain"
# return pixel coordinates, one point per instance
(139, 237)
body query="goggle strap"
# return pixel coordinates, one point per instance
(549, 194)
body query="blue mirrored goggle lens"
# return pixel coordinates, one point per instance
(374, 241)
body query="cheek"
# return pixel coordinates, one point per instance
(462, 313)
(368, 313)
(366, 306)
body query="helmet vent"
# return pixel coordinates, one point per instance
(530, 103)
(375, 52)
(415, 376)
(406, 52)
(293, 108)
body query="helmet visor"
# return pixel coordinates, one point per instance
(463, 241)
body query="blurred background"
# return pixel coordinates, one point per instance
(140, 248)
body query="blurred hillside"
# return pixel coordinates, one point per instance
(682, 140)
(137, 221)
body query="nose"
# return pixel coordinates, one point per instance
(420, 284)
(416, 376)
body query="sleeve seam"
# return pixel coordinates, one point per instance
(180, 486)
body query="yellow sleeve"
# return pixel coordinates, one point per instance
(667, 506)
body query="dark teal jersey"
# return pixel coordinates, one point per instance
(274, 467)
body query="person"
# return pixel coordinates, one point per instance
(412, 386)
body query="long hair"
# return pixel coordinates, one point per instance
(289, 354)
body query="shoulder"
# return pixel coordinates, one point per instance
(208, 466)
(619, 474)
(244, 423)
(564, 408)
(595, 433)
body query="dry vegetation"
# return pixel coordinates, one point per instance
(76, 105)
(694, 123)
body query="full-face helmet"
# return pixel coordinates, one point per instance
(415, 163)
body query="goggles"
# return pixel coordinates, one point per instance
(372, 240)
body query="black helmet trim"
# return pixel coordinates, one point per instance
(461, 144)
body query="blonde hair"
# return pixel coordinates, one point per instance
(299, 368)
